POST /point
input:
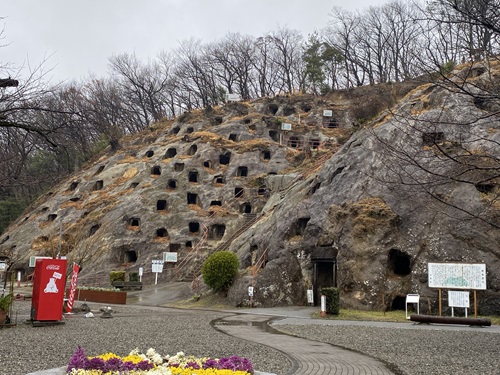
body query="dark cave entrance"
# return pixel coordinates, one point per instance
(324, 261)
(399, 262)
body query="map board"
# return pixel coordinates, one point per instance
(457, 275)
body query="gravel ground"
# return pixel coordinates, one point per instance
(25, 349)
(414, 351)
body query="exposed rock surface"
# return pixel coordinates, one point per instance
(310, 207)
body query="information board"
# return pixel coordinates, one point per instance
(457, 275)
(157, 266)
(170, 256)
(458, 299)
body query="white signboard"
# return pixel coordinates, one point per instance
(286, 126)
(327, 113)
(233, 97)
(250, 291)
(310, 296)
(157, 266)
(3, 266)
(33, 259)
(457, 275)
(169, 257)
(458, 299)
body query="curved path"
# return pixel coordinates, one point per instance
(308, 357)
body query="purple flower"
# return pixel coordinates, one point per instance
(112, 364)
(95, 364)
(210, 363)
(193, 365)
(78, 360)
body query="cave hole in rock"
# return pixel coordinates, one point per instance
(189, 130)
(219, 180)
(262, 190)
(485, 188)
(247, 121)
(399, 262)
(314, 143)
(217, 231)
(93, 229)
(398, 303)
(174, 247)
(215, 203)
(225, 158)
(149, 153)
(233, 137)
(207, 164)
(300, 226)
(170, 153)
(306, 107)
(156, 170)
(332, 123)
(294, 142)
(192, 198)
(273, 108)
(336, 173)
(265, 155)
(51, 217)
(161, 204)
(272, 173)
(274, 135)
(133, 185)
(287, 111)
(315, 188)
(218, 120)
(172, 184)
(193, 176)
(246, 208)
(98, 185)
(44, 209)
(175, 130)
(178, 167)
(194, 227)
(238, 192)
(130, 256)
(188, 244)
(75, 199)
(161, 232)
(134, 222)
(73, 185)
(242, 171)
(99, 170)
(430, 139)
(192, 150)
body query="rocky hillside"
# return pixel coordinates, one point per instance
(302, 188)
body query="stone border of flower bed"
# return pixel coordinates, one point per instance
(62, 371)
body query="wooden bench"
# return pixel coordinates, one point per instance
(128, 285)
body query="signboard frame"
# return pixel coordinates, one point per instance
(457, 276)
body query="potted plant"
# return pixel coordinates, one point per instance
(5, 303)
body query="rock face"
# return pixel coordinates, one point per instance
(322, 204)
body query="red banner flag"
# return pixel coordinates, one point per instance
(72, 289)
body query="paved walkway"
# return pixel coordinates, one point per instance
(307, 357)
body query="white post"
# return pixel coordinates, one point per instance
(156, 278)
(323, 305)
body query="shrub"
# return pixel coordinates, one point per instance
(133, 276)
(220, 269)
(332, 300)
(116, 276)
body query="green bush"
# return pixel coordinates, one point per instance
(220, 269)
(116, 276)
(332, 300)
(133, 276)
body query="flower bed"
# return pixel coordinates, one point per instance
(100, 295)
(153, 363)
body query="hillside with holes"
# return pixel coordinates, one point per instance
(347, 190)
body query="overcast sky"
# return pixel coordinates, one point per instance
(78, 36)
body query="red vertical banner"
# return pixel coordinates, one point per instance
(72, 289)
